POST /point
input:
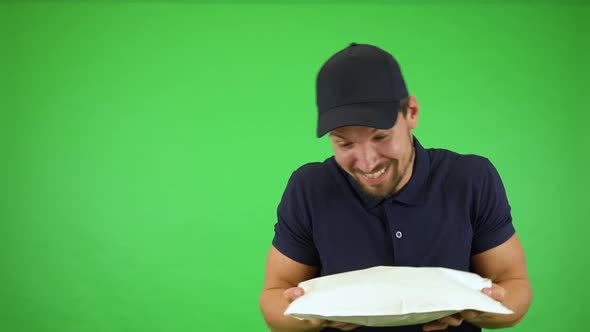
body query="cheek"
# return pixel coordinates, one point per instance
(392, 151)
(346, 160)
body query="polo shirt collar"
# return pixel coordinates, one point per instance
(412, 193)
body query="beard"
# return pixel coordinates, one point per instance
(390, 186)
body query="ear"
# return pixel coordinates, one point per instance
(413, 112)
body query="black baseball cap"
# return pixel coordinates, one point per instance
(362, 85)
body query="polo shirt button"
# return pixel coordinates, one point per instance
(398, 234)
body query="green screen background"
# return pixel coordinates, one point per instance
(145, 145)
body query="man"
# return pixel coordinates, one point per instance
(383, 199)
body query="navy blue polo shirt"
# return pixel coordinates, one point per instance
(454, 206)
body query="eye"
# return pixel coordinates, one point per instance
(380, 137)
(345, 146)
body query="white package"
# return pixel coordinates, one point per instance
(393, 296)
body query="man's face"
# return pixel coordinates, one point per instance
(381, 161)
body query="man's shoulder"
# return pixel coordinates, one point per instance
(315, 182)
(454, 164)
(317, 173)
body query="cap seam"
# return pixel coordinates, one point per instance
(389, 65)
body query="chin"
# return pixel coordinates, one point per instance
(377, 193)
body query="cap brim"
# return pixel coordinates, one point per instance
(375, 115)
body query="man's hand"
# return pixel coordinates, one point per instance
(293, 293)
(496, 292)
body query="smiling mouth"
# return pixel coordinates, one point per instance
(376, 174)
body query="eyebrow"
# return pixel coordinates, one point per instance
(332, 133)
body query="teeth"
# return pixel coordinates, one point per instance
(376, 174)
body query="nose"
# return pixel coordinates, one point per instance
(367, 160)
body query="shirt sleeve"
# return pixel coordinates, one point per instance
(293, 230)
(493, 224)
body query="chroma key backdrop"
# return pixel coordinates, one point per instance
(145, 145)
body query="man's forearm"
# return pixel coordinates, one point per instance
(273, 305)
(518, 299)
